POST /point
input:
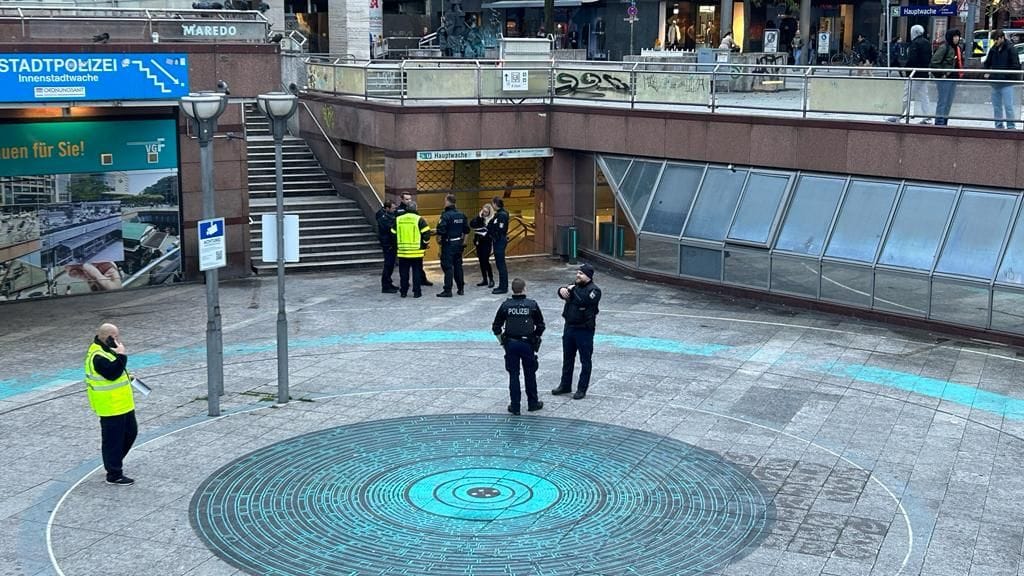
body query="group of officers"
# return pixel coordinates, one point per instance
(518, 326)
(404, 236)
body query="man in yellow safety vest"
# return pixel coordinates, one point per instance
(411, 233)
(109, 388)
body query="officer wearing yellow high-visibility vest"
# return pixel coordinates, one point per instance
(109, 388)
(412, 234)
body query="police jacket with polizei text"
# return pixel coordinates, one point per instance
(520, 316)
(580, 309)
(497, 228)
(452, 227)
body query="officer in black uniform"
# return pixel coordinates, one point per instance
(385, 222)
(523, 325)
(402, 208)
(580, 313)
(497, 229)
(451, 234)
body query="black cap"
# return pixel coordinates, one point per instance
(588, 270)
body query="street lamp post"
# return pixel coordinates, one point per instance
(203, 109)
(279, 107)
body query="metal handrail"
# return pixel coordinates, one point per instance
(378, 196)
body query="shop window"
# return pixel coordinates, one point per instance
(810, 214)
(672, 199)
(976, 234)
(901, 293)
(959, 303)
(701, 262)
(658, 255)
(917, 227)
(846, 283)
(795, 275)
(861, 223)
(715, 204)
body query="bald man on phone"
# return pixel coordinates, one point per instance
(109, 388)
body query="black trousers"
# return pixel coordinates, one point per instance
(576, 339)
(118, 434)
(405, 265)
(451, 263)
(483, 255)
(518, 352)
(499, 262)
(390, 257)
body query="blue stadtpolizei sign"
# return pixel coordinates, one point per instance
(92, 77)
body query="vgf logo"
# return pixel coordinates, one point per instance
(153, 149)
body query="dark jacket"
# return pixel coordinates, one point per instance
(385, 222)
(520, 317)
(479, 226)
(581, 307)
(948, 57)
(452, 227)
(109, 369)
(497, 229)
(920, 53)
(1003, 57)
(866, 51)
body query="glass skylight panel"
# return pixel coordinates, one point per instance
(861, 221)
(637, 186)
(810, 213)
(715, 204)
(976, 234)
(672, 199)
(758, 208)
(917, 227)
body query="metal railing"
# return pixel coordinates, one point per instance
(377, 195)
(768, 89)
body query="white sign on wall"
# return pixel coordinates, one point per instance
(515, 80)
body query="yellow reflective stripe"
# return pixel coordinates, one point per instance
(108, 386)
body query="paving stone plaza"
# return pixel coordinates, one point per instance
(719, 436)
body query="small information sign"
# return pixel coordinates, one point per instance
(515, 80)
(212, 245)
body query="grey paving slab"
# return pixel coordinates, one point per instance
(848, 464)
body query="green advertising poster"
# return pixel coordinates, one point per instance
(87, 147)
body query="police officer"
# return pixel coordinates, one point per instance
(580, 312)
(411, 234)
(497, 229)
(385, 222)
(523, 325)
(108, 386)
(451, 235)
(403, 207)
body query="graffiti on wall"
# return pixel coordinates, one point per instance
(592, 84)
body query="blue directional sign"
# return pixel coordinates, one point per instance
(91, 77)
(212, 244)
(938, 10)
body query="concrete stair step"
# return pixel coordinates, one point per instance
(269, 268)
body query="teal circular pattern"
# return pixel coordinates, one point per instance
(483, 494)
(480, 495)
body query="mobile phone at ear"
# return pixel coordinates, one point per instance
(110, 342)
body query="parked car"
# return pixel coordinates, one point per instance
(983, 37)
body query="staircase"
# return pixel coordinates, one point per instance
(333, 233)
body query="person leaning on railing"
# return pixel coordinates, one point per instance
(948, 58)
